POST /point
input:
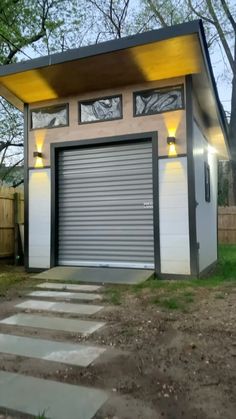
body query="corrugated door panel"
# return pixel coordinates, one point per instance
(105, 206)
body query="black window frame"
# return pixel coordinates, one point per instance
(207, 180)
(58, 105)
(89, 101)
(154, 89)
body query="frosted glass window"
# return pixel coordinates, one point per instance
(101, 109)
(155, 101)
(50, 117)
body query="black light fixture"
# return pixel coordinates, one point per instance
(171, 140)
(38, 154)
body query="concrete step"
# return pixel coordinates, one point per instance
(70, 287)
(83, 327)
(64, 295)
(85, 309)
(66, 353)
(34, 396)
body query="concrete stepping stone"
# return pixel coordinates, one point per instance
(72, 287)
(33, 396)
(67, 353)
(84, 327)
(66, 295)
(86, 309)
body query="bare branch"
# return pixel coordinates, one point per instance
(157, 13)
(228, 14)
(203, 17)
(221, 35)
(11, 168)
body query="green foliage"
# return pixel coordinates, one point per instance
(29, 28)
(113, 295)
(223, 183)
(42, 415)
(9, 280)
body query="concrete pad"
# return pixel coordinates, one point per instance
(96, 275)
(69, 287)
(86, 309)
(67, 353)
(84, 327)
(66, 295)
(33, 396)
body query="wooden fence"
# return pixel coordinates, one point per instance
(227, 225)
(11, 214)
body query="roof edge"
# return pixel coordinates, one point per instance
(210, 73)
(161, 34)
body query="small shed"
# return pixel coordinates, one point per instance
(122, 141)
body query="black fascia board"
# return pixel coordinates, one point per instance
(211, 77)
(162, 34)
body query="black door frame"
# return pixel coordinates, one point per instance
(57, 147)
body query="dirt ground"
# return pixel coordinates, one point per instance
(162, 362)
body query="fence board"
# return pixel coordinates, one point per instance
(8, 218)
(227, 225)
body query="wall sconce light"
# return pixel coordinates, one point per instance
(38, 154)
(171, 140)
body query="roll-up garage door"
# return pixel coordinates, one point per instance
(105, 206)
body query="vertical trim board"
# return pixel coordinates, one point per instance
(173, 214)
(194, 257)
(39, 218)
(26, 186)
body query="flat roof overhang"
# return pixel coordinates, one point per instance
(161, 54)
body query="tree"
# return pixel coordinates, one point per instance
(29, 28)
(219, 17)
(11, 142)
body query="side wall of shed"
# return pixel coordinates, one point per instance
(206, 212)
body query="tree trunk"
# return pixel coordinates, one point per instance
(232, 143)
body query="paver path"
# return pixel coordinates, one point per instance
(56, 400)
(68, 353)
(64, 295)
(85, 309)
(33, 395)
(83, 327)
(72, 287)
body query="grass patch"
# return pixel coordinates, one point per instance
(113, 295)
(171, 304)
(179, 294)
(220, 296)
(174, 302)
(10, 280)
(42, 415)
(225, 272)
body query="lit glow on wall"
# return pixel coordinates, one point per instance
(38, 162)
(211, 150)
(172, 122)
(39, 137)
(170, 166)
(198, 151)
(172, 150)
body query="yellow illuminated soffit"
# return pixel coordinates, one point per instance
(174, 57)
(170, 58)
(30, 86)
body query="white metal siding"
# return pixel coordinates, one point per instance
(105, 201)
(174, 219)
(39, 218)
(206, 212)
